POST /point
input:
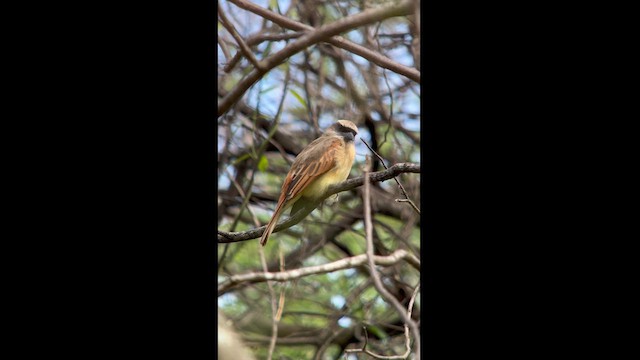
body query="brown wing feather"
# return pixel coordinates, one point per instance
(310, 164)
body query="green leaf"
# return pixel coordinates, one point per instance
(304, 103)
(377, 331)
(264, 91)
(267, 50)
(263, 164)
(242, 158)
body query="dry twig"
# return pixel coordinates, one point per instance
(404, 192)
(243, 46)
(341, 264)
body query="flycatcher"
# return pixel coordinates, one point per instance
(325, 161)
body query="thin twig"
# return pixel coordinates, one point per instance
(224, 48)
(331, 331)
(282, 297)
(404, 192)
(386, 80)
(312, 116)
(403, 239)
(232, 30)
(257, 39)
(413, 298)
(274, 306)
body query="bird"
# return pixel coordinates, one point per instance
(325, 161)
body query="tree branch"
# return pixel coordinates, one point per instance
(228, 237)
(310, 38)
(338, 41)
(232, 30)
(257, 39)
(341, 264)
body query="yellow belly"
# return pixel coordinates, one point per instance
(338, 174)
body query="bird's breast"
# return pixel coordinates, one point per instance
(342, 166)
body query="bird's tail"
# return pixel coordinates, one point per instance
(272, 224)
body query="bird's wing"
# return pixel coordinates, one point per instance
(315, 160)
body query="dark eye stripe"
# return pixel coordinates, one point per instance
(343, 128)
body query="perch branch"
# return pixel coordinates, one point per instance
(229, 237)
